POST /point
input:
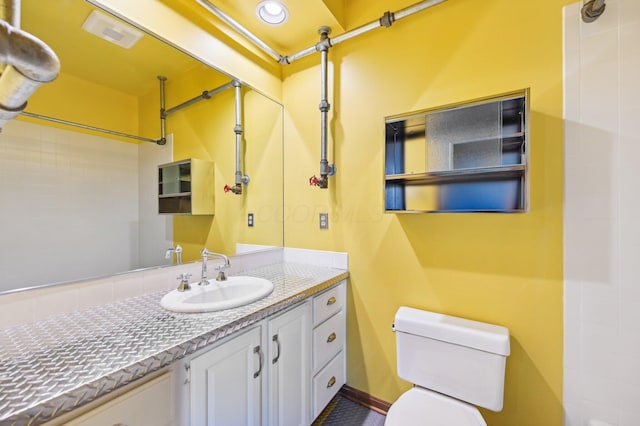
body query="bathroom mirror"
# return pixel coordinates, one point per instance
(82, 204)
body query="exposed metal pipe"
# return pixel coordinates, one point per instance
(207, 94)
(163, 115)
(322, 46)
(592, 10)
(29, 64)
(241, 179)
(242, 30)
(385, 21)
(10, 12)
(95, 129)
(326, 169)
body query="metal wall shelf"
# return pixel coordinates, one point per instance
(468, 157)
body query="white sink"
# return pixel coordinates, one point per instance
(235, 291)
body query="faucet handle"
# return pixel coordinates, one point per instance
(184, 281)
(221, 274)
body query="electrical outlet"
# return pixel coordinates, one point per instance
(324, 220)
(250, 220)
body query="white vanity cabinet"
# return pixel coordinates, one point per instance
(329, 346)
(258, 377)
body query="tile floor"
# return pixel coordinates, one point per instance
(342, 412)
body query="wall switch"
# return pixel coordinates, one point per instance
(324, 220)
(250, 220)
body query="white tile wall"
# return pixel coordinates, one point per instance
(601, 230)
(60, 186)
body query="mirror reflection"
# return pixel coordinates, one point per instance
(79, 203)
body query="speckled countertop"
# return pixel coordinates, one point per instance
(50, 367)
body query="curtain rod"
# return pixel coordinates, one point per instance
(84, 126)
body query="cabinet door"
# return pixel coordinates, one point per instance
(151, 404)
(226, 383)
(290, 367)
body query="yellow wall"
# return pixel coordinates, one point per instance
(499, 268)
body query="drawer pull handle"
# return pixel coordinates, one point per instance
(275, 339)
(331, 301)
(331, 382)
(331, 337)
(257, 350)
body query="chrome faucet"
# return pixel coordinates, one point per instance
(221, 275)
(177, 250)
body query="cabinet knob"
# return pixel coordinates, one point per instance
(331, 382)
(331, 337)
(331, 301)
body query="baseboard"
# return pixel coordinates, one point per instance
(364, 399)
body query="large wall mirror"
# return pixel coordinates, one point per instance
(79, 204)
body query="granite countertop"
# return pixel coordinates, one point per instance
(50, 367)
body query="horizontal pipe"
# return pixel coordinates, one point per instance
(239, 28)
(355, 32)
(204, 95)
(386, 20)
(418, 7)
(84, 126)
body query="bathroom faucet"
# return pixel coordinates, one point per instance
(177, 251)
(221, 275)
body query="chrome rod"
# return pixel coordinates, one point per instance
(84, 126)
(205, 95)
(239, 28)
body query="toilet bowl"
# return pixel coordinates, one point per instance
(455, 365)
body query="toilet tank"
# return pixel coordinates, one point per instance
(458, 357)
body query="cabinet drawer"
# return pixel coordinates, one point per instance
(328, 339)
(328, 303)
(327, 383)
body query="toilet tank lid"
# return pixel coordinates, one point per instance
(460, 331)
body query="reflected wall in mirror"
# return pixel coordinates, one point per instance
(79, 204)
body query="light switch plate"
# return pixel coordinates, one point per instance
(250, 220)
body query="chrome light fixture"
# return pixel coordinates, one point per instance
(272, 12)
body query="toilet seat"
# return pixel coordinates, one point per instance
(420, 406)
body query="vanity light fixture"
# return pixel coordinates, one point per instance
(272, 12)
(112, 30)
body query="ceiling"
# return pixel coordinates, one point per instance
(58, 23)
(86, 56)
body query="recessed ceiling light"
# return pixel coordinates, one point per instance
(272, 12)
(111, 29)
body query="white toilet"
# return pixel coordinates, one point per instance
(455, 365)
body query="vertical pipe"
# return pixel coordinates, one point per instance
(325, 168)
(10, 12)
(163, 115)
(238, 130)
